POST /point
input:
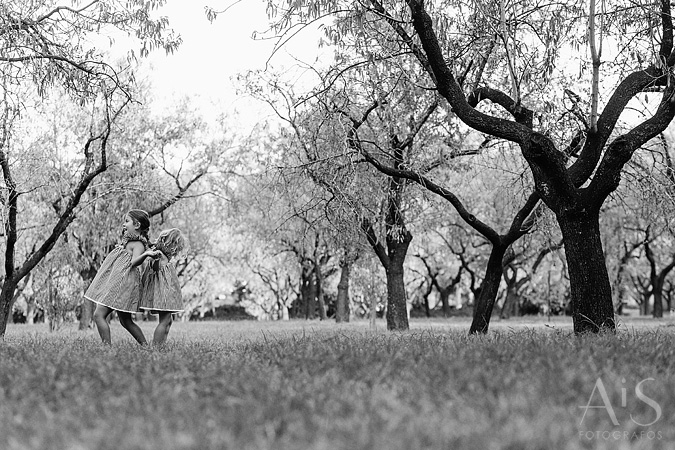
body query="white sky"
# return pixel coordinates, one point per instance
(212, 53)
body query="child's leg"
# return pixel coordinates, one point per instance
(100, 314)
(162, 330)
(129, 325)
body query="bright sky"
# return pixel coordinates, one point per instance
(212, 53)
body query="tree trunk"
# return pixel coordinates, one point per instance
(487, 293)
(657, 289)
(283, 311)
(31, 307)
(511, 302)
(6, 296)
(591, 293)
(342, 307)
(427, 308)
(321, 304)
(658, 282)
(310, 301)
(392, 260)
(307, 292)
(644, 306)
(621, 291)
(445, 303)
(397, 313)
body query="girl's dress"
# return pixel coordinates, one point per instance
(117, 285)
(161, 288)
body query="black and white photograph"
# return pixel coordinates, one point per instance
(339, 225)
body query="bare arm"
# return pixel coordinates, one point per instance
(138, 253)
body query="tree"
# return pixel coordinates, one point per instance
(342, 309)
(323, 154)
(577, 206)
(44, 46)
(392, 253)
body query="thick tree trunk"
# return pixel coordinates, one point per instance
(397, 310)
(591, 293)
(342, 307)
(397, 313)
(392, 260)
(487, 293)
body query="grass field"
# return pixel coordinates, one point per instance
(528, 384)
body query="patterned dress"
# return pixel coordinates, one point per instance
(117, 285)
(161, 288)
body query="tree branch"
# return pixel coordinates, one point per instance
(522, 115)
(378, 248)
(181, 192)
(68, 214)
(469, 218)
(450, 89)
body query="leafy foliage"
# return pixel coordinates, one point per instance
(51, 43)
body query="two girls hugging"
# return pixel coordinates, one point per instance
(126, 285)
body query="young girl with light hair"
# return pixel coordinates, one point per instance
(161, 292)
